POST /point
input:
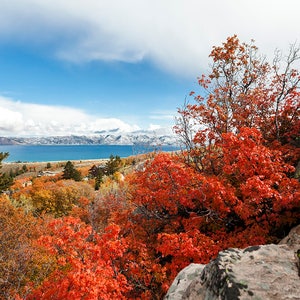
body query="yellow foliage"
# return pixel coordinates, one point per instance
(46, 196)
(21, 259)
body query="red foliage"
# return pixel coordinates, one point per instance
(243, 90)
(261, 179)
(184, 248)
(185, 216)
(86, 263)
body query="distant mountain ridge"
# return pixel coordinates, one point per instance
(105, 138)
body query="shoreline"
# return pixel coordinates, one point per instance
(54, 161)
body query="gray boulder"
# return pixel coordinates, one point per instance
(257, 272)
(182, 281)
(292, 239)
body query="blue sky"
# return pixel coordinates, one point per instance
(81, 66)
(138, 93)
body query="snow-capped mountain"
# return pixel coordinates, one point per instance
(112, 137)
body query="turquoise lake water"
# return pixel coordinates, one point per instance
(38, 153)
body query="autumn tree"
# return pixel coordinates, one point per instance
(22, 261)
(249, 109)
(162, 207)
(57, 198)
(241, 138)
(242, 90)
(265, 192)
(185, 216)
(87, 263)
(114, 203)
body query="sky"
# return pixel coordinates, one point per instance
(84, 66)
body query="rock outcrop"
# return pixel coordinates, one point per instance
(257, 272)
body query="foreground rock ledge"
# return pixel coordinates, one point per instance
(257, 272)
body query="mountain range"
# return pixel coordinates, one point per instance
(112, 137)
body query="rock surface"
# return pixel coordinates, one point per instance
(257, 272)
(182, 281)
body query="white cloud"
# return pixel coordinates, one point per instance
(10, 120)
(163, 115)
(154, 127)
(159, 130)
(26, 119)
(177, 35)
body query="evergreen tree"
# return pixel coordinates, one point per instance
(70, 172)
(5, 180)
(98, 181)
(24, 169)
(94, 171)
(113, 165)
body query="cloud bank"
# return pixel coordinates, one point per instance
(176, 35)
(25, 119)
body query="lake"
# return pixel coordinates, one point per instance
(40, 153)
